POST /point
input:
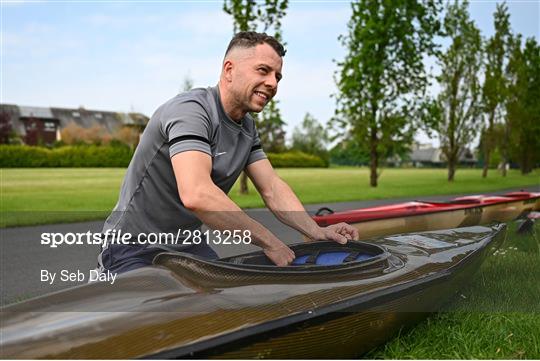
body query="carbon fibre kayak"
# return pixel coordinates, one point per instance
(424, 216)
(334, 302)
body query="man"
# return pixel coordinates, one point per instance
(192, 152)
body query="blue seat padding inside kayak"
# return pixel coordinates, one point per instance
(329, 258)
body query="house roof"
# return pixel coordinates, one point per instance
(35, 112)
(88, 118)
(432, 155)
(81, 116)
(435, 155)
(13, 111)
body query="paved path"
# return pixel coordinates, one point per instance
(22, 257)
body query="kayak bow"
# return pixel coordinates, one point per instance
(424, 216)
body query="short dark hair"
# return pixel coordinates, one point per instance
(250, 39)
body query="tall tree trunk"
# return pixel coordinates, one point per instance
(523, 162)
(487, 144)
(530, 162)
(506, 142)
(244, 184)
(526, 163)
(374, 158)
(486, 163)
(451, 169)
(529, 167)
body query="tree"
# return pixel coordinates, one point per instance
(349, 152)
(311, 137)
(73, 134)
(128, 135)
(522, 106)
(382, 76)
(455, 114)
(496, 137)
(494, 90)
(6, 128)
(270, 126)
(248, 15)
(187, 84)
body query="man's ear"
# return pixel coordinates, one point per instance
(227, 70)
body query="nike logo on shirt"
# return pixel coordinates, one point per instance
(221, 153)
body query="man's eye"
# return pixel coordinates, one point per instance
(263, 70)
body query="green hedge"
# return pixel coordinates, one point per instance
(296, 160)
(22, 156)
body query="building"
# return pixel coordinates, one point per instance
(425, 155)
(40, 125)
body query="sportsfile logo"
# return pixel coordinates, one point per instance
(184, 237)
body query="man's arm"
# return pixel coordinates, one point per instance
(213, 207)
(282, 201)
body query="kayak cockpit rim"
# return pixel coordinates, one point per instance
(356, 255)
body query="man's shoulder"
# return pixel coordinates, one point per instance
(196, 101)
(249, 123)
(201, 96)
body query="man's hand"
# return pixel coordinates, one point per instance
(281, 255)
(340, 232)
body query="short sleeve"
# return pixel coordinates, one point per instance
(256, 152)
(187, 127)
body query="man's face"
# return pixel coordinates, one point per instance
(255, 78)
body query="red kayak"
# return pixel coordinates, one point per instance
(425, 216)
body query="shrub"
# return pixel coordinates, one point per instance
(74, 134)
(296, 159)
(12, 156)
(128, 136)
(22, 156)
(115, 154)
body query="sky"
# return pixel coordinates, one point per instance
(133, 56)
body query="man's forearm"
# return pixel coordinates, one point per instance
(282, 201)
(219, 212)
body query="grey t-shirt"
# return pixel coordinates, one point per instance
(195, 120)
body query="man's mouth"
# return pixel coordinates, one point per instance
(262, 95)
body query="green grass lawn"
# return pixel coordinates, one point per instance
(47, 195)
(497, 316)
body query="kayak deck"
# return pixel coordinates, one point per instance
(242, 307)
(420, 216)
(527, 202)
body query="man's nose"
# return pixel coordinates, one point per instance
(271, 82)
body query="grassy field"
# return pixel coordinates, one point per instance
(47, 195)
(497, 316)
